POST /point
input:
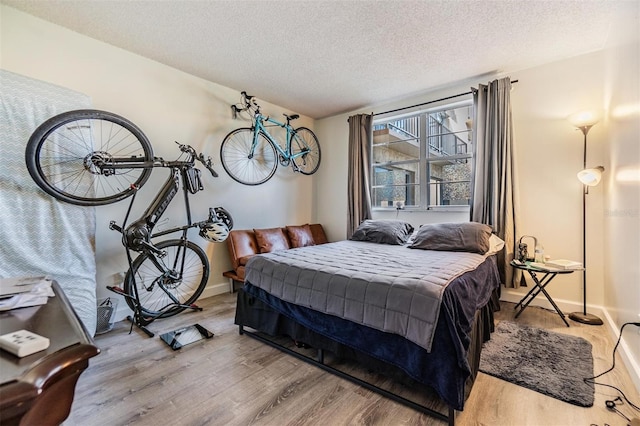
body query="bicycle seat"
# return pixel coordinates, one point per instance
(291, 117)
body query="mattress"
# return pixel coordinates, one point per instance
(446, 368)
(40, 235)
(390, 288)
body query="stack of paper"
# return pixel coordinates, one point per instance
(22, 292)
(563, 264)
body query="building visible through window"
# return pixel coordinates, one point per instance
(423, 160)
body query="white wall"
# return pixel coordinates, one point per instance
(622, 187)
(549, 154)
(168, 105)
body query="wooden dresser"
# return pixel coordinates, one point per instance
(39, 388)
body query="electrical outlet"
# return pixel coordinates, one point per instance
(22, 343)
(118, 278)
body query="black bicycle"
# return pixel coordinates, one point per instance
(92, 158)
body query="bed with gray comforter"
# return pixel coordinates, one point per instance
(387, 287)
(425, 312)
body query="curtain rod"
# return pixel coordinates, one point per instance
(430, 102)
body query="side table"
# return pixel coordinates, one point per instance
(39, 388)
(539, 285)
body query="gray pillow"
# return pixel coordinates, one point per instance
(394, 232)
(472, 237)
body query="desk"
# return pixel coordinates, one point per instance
(39, 388)
(539, 286)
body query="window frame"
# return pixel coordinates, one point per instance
(424, 162)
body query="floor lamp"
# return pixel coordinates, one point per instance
(588, 177)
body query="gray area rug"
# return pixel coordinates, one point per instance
(551, 363)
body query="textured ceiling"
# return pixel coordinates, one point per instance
(322, 57)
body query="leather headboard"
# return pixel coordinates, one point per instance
(319, 237)
(242, 243)
(300, 236)
(271, 239)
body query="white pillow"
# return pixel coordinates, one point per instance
(495, 245)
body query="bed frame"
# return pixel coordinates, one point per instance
(266, 322)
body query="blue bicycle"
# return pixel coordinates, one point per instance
(250, 155)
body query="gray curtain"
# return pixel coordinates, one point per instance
(495, 196)
(359, 198)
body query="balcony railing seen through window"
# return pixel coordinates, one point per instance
(423, 160)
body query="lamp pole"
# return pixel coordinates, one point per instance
(583, 317)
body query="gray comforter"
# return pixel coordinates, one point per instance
(390, 288)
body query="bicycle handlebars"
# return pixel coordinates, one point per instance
(249, 103)
(207, 162)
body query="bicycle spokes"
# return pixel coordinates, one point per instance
(88, 157)
(305, 151)
(176, 280)
(246, 162)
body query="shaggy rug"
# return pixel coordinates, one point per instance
(551, 363)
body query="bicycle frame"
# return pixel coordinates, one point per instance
(259, 126)
(143, 227)
(137, 236)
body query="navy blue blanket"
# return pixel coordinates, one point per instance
(445, 368)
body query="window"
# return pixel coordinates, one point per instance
(423, 160)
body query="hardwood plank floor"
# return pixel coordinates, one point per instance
(235, 380)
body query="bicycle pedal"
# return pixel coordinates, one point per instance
(117, 290)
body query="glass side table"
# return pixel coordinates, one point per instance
(548, 274)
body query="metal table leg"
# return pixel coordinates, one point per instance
(539, 287)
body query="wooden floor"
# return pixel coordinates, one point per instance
(236, 380)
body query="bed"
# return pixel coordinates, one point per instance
(415, 305)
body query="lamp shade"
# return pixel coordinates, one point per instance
(584, 119)
(591, 177)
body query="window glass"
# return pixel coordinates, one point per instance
(450, 182)
(436, 142)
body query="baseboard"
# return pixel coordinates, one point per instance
(625, 352)
(567, 306)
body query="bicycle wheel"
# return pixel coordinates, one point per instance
(68, 156)
(244, 166)
(187, 271)
(304, 140)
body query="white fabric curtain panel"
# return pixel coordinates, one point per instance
(359, 197)
(495, 195)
